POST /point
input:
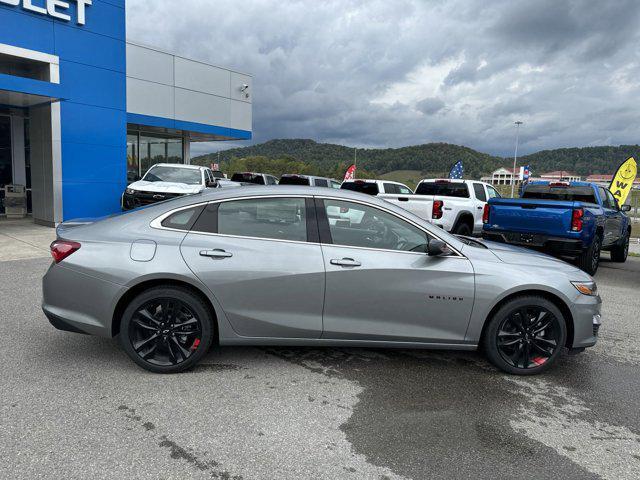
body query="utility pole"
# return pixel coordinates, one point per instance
(515, 159)
(355, 161)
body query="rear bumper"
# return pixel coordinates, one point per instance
(546, 243)
(76, 302)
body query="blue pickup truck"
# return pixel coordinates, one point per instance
(574, 220)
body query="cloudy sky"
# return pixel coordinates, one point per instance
(390, 73)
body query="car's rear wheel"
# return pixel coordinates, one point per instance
(620, 252)
(525, 336)
(589, 260)
(166, 329)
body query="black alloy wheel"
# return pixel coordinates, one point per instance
(166, 330)
(528, 337)
(525, 336)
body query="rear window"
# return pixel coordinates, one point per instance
(443, 189)
(248, 178)
(320, 182)
(369, 188)
(294, 181)
(567, 194)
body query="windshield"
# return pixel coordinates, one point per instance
(443, 189)
(567, 194)
(370, 188)
(190, 176)
(248, 178)
(294, 180)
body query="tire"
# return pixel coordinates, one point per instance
(619, 253)
(168, 342)
(462, 228)
(501, 332)
(589, 260)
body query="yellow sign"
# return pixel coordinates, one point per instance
(623, 180)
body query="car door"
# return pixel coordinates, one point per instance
(615, 219)
(611, 224)
(261, 259)
(479, 203)
(380, 285)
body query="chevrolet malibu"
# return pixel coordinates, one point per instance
(299, 266)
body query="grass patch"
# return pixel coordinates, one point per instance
(635, 230)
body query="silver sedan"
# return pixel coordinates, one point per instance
(305, 266)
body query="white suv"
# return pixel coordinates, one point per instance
(167, 180)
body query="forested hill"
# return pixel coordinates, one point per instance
(329, 159)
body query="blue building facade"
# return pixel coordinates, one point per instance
(64, 82)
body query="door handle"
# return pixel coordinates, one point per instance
(403, 199)
(217, 253)
(345, 262)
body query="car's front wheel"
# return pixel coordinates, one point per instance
(525, 336)
(166, 329)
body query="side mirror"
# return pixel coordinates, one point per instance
(437, 247)
(212, 184)
(625, 208)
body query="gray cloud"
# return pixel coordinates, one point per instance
(380, 73)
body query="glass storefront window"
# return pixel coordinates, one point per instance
(133, 163)
(145, 150)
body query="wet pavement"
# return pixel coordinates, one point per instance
(75, 406)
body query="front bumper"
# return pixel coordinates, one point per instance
(563, 247)
(587, 321)
(140, 199)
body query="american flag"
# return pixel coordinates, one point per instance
(457, 172)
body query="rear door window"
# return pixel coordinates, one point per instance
(443, 189)
(390, 188)
(370, 188)
(272, 218)
(478, 189)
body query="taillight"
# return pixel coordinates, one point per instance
(485, 213)
(61, 249)
(437, 209)
(576, 220)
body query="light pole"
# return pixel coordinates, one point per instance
(515, 159)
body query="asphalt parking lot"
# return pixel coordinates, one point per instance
(75, 407)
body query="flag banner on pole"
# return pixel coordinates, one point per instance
(457, 171)
(526, 173)
(623, 180)
(351, 173)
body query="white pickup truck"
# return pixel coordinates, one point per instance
(456, 206)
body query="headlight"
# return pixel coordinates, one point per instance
(129, 191)
(586, 288)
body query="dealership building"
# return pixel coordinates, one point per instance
(84, 111)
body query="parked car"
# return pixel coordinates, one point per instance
(256, 178)
(376, 187)
(575, 220)
(453, 205)
(167, 180)
(308, 180)
(268, 266)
